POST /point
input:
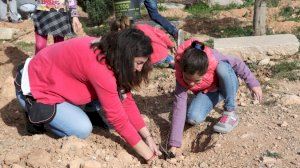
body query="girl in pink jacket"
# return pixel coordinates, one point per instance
(212, 77)
(53, 85)
(160, 41)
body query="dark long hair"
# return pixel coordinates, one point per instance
(120, 49)
(194, 59)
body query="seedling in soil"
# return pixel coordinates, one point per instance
(272, 154)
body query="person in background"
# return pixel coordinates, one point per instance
(14, 16)
(26, 7)
(58, 18)
(53, 85)
(151, 6)
(160, 41)
(212, 77)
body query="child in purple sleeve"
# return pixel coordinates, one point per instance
(212, 77)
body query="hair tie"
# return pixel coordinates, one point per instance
(198, 46)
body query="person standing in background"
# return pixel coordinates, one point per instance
(55, 17)
(14, 16)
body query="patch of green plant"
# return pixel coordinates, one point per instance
(272, 154)
(204, 10)
(28, 47)
(273, 3)
(173, 18)
(96, 31)
(161, 8)
(236, 31)
(289, 70)
(99, 10)
(296, 32)
(200, 9)
(252, 66)
(248, 3)
(286, 11)
(209, 43)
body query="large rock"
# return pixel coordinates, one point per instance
(7, 33)
(224, 2)
(172, 5)
(256, 48)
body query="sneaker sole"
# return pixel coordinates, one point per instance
(223, 130)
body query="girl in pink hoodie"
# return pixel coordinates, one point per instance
(160, 41)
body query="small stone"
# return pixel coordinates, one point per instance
(284, 124)
(255, 102)
(11, 158)
(295, 116)
(75, 163)
(264, 61)
(203, 165)
(290, 100)
(91, 164)
(243, 104)
(125, 157)
(269, 160)
(72, 143)
(37, 137)
(218, 145)
(38, 158)
(16, 166)
(107, 158)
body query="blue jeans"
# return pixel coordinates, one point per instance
(69, 119)
(203, 103)
(151, 6)
(13, 12)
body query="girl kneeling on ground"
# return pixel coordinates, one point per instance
(160, 41)
(72, 73)
(212, 77)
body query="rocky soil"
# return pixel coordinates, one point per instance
(268, 134)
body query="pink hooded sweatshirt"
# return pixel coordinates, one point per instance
(160, 41)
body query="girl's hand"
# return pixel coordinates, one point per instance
(152, 145)
(77, 25)
(257, 93)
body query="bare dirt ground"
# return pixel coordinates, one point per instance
(268, 134)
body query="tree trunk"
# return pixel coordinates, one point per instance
(259, 19)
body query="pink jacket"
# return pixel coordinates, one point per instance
(209, 80)
(160, 41)
(70, 72)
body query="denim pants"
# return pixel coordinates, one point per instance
(69, 119)
(203, 103)
(13, 12)
(151, 6)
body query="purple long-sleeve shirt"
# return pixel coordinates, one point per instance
(180, 102)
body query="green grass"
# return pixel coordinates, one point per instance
(273, 3)
(96, 31)
(209, 43)
(173, 18)
(289, 70)
(296, 32)
(202, 9)
(272, 154)
(28, 47)
(290, 14)
(161, 8)
(232, 31)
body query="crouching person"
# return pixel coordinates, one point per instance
(53, 85)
